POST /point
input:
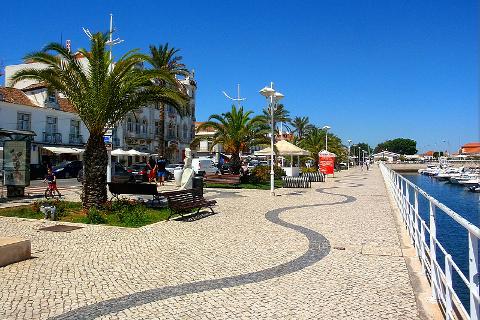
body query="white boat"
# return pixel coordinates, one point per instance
(471, 182)
(474, 188)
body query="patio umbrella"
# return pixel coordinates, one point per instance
(120, 152)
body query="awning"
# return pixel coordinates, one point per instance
(64, 150)
(132, 152)
(284, 148)
(119, 152)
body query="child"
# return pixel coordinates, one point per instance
(51, 179)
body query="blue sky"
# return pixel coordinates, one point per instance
(372, 70)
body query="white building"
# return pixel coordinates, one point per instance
(53, 119)
(204, 146)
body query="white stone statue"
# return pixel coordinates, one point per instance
(188, 173)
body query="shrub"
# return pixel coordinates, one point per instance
(95, 216)
(129, 212)
(309, 170)
(261, 174)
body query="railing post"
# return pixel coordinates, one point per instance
(448, 287)
(408, 212)
(433, 253)
(422, 247)
(415, 220)
(473, 270)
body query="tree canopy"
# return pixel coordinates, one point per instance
(399, 145)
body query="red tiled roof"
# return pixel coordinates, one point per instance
(471, 145)
(17, 96)
(66, 105)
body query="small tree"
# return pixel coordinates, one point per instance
(237, 131)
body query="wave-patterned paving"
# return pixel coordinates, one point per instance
(318, 248)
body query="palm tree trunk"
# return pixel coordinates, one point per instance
(161, 128)
(235, 160)
(95, 172)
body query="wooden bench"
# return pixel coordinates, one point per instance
(184, 201)
(224, 178)
(145, 189)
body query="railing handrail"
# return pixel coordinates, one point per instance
(458, 218)
(441, 281)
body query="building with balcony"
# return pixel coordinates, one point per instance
(139, 130)
(51, 119)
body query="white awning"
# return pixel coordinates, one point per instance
(134, 152)
(64, 150)
(284, 148)
(120, 152)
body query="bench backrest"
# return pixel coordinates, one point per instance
(133, 188)
(182, 196)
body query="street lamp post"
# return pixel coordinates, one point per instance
(326, 128)
(348, 158)
(272, 97)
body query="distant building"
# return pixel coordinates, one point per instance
(204, 146)
(472, 148)
(387, 156)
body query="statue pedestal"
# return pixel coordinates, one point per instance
(187, 179)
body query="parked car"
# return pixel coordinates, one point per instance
(171, 168)
(37, 171)
(119, 174)
(140, 171)
(252, 164)
(67, 169)
(203, 166)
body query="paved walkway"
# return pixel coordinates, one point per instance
(330, 252)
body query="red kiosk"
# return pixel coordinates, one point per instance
(326, 162)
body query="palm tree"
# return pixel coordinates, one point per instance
(301, 126)
(166, 59)
(314, 142)
(237, 131)
(102, 93)
(280, 115)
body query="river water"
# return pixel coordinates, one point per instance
(451, 235)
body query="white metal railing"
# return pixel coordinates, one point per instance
(417, 228)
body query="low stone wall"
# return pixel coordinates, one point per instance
(14, 250)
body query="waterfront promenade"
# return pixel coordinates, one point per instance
(330, 252)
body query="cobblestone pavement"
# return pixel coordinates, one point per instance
(330, 252)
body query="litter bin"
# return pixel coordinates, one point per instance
(177, 175)
(198, 185)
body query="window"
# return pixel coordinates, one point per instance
(137, 127)
(23, 121)
(145, 126)
(51, 125)
(75, 127)
(129, 125)
(51, 98)
(185, 131)
(171, 130)
(157, 127)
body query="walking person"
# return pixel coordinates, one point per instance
(152, 167)
(161, 170)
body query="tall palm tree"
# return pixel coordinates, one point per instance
(280, 115)
(102, 93)
(301, 126)
(166, 59)
(237, 131)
